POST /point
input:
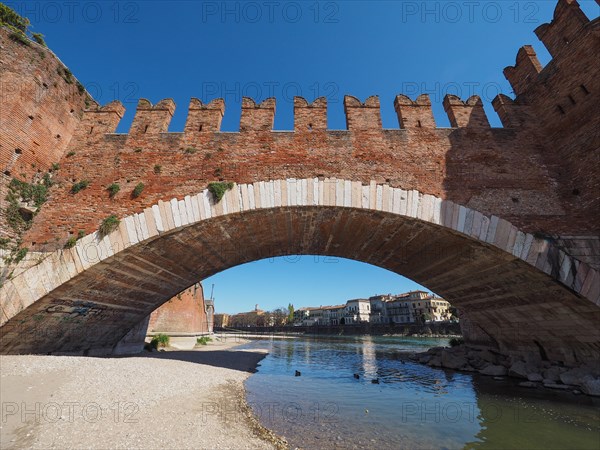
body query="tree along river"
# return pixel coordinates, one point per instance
(361, 392)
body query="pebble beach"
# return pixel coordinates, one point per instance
(190, 399)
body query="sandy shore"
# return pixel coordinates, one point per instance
(174, 399)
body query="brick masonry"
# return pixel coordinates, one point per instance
(184, 313)
(40, 111)
(484, 217)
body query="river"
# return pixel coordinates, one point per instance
(412, 406)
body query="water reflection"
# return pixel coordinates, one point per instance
(369, 358)
(413, 407)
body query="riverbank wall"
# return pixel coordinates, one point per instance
(429, 329)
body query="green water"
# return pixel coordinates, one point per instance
(412, 407)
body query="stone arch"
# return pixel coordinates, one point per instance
(516, 288)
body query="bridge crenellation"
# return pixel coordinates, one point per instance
(203, 118)
(566, 26)
(206, 118)
(512, 114)
(257, 117)
(310, 116)
(414, 113)
(467, 113)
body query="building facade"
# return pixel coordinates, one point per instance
(409, 307)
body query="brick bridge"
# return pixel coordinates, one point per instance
(502, 222)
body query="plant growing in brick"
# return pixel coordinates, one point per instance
(71, 242)
(20, 255)
(157, 169)
(108, 225)
(55, 167)
(113, 189)
(137, 190)
(39, 38)
(47, 180)
(13, 20)
(73, 239)
(65, 73)
(218, 189)
(70, 154)
(190, 151)
(79, 186)
(19, 37)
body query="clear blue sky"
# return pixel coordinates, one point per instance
(208, 49)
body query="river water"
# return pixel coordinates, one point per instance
(412, 407)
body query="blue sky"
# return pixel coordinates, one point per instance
(208, 49)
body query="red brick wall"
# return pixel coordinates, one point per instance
(39, 113)
(562, 103)
(540, 172)
(480, 167)
(184, 313)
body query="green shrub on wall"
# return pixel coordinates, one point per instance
(79, 186)
(39, 38)
(108, 225)
(113, 189)
(10, 18)
(137, 190)
(219, 189)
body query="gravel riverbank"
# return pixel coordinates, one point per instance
(172, 399)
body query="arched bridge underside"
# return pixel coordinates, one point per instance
(520, 294)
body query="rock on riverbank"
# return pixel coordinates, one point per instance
(583, 379)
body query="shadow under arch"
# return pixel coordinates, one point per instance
(85, 299)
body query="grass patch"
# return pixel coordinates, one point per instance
(219, 189)
(70, 154)
(108, 225)
(160, 340)
(157, 169)
(113, 189)
(79, 186)
(203, 340)
(137, 190)
(138, 150)
(4, 243)
(55, 167)
(190, 151)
